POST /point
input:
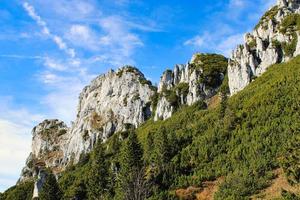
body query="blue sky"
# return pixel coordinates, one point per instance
(49, 50)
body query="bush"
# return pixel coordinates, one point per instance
(290, 48)
(213, 66)
(290, 23)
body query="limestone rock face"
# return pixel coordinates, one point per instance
(48, 139)
(185, 86)
(105, 106)
(264, 46)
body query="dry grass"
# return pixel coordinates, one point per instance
(210, 188)
(206, 192)
(278, 184)
(188, 194)
(213, 102)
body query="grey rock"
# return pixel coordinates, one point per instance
(252, 59)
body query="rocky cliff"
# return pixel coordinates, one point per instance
(274, 40)
(199, 79)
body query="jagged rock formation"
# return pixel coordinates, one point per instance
(186, 84)
(48, 139)
(111, 103)
(274, 40)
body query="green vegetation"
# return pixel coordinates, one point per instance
(290, 24)
(252, 44)
(182, 89)
(50, 189)
(290, 48)
(276, 44)
(290, 161)
(211, 65)
(269, 15)
(22, 191)
(98, 175)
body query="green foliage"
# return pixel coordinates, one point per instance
(98, 174)
(131, 169)
(289, 196)
(154, 101)
(171, 97)
(241, 184)
(290, 24)
(182, 89)
(269, 15)
(50, 189)
(290, 48)
(276, 44)
(22, 191)
(212, 66)
(252, 44)
(290, 161)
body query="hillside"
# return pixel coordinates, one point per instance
(242, 140)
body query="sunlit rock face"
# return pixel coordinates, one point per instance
(108, 105)
(266, 45)
(186, 83)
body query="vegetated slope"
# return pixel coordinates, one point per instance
(244, 139)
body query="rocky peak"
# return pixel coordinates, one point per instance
(198, 80)
(48, 138)
(274, 40)
(289, 3)
(105, 106)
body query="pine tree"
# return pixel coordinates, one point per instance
(97, 180)
(161, 157)
(50, 189)
(132, 183)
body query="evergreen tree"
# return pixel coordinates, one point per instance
(161, 157)
(50, 189)
(97, 182)
(132, 184)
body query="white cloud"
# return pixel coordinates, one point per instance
(83, 36)
(237, 3)
(58, 40)
(15, 140)
(195, 41)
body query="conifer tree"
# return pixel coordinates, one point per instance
(132, 184)
(97, 180)
(50, 189)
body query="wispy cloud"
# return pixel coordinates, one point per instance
(58, 40)
(15, 56)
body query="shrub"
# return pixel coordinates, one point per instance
(290, 23)
(290, 48)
